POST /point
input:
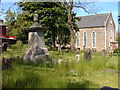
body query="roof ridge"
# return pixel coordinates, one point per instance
(96, 19)
(95, 15)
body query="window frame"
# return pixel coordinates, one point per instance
(77, 39)
(84, 38)
(94, 38)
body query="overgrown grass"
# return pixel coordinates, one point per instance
(68, 74)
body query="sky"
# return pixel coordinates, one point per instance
(119, 15)
(101, 6)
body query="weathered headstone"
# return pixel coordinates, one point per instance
(78, 54)
(6, 63)
(3, 47)
(59, 48)
(87, 54)
(104, 53)
(36, 51)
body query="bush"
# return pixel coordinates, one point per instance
(116, 50)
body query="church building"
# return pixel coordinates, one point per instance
(96, 32)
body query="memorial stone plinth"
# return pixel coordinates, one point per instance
(36, 50)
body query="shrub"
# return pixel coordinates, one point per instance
(116, 50)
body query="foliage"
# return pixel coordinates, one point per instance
(119, 19)
(70, 5)
(118, 38)
(17, 24)
(58, 17)
(117, 50)
(51, 15)
(10, 20)
(17, 49)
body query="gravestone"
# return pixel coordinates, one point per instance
(36, 50)
(6, 63)
(104, 53)
(59, 48)
(87, 54)
(78, 54)
(3, 47)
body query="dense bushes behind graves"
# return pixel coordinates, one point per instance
(116, 50)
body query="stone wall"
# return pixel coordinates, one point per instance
(100, 37)
(101, 40)
(110, 32)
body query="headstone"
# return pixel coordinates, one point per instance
(4, 47)
(6, 63)
(59, 48)
(87, 54)
(78, 54)
(36, 51)
(104, 53)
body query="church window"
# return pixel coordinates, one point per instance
(93, 39)
(85, 39)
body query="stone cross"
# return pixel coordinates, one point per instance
(36, 51)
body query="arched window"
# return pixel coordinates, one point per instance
(85, 39)
(93, 39)
(77, 39)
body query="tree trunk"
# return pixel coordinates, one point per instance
(72, 33)
(72, 40)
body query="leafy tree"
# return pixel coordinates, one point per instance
(52, 15)
(10, 20)
(16, 24)
(119, 19)
(70, 4)
(58, 17)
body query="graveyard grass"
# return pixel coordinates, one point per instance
(95, 73)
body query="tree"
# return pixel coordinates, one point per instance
(119, 19)
(86, 6)
(10, 20)
(52, 15)
(17, 23)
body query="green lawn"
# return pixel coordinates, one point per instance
(96, 73)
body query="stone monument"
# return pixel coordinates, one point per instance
(36, 50)
(104, 53)
(87, 54)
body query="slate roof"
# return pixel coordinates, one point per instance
(96, 20)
